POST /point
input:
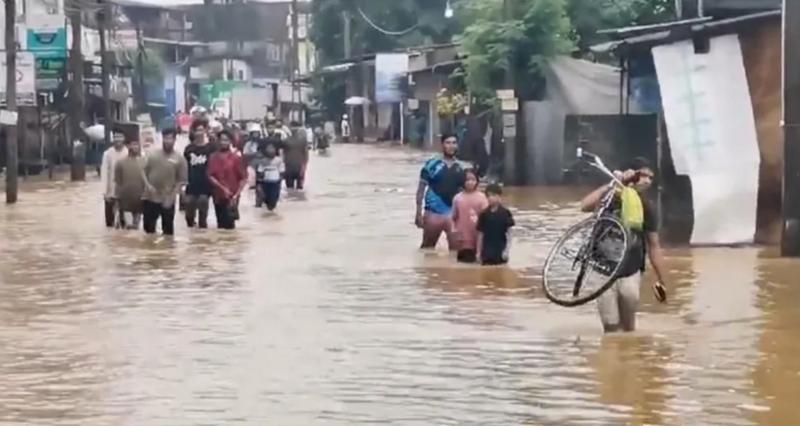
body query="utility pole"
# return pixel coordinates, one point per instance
(509, 122)
(142, 93)
(296, 111)
(78, 103)
(103, 18)
(348, 53)
(790, 244)
(12, 154)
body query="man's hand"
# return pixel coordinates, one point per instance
(660, 292)
(419, 220)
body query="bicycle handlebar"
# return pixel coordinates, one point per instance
(596, 162)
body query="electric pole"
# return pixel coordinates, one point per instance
(78, 103)
(509, 123)
(103, 17)
(12, 162)
(296, 111)
(790, 244)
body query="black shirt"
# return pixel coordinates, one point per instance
(494, 224)
(197, 159)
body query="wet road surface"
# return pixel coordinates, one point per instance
(325, 313)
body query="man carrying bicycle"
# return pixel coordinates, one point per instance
(618, 305)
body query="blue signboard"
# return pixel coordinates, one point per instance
(48, 42)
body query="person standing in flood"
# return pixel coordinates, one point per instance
(130, 185)
(269, 169)
(467, 207)
(228, 177)
(111, 157)
(198, 190)
(165, 173)
(441, 178)
(295, 156)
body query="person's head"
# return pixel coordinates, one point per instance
(270, 150)
(225, 140)
(271, 126)
(644, 173)
(294, 124)
(344, 117)
(134, 148)
(168, 139)
(119, 140)
(494, 193)
(471, 180)
(198, 132)
(449, 145)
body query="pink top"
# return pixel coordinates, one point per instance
(466, 209)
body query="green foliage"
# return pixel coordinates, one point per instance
(589, 16)
(519, 39)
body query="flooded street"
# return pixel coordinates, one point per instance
(327, 314)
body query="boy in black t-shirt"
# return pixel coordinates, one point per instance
(494, 226)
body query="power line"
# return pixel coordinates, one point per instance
(385, 31)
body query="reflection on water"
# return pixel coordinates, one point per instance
(325, 313)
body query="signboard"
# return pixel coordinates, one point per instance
(26, 79)
(391, 70)
(48, 42)
(50, 72)
(510, 125)
(505, 94)
(510, 104)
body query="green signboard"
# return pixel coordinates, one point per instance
(48, 42)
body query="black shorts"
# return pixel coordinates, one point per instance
(467, 256)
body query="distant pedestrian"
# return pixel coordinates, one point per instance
(228, 177)
(198, 189)
(344, 127)
(494, 226)
(130, 185)
(295, 155)
(269, 169)
(441, 178)
(111, 156)
(165, 173)
(467, 207)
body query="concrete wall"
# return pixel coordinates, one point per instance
(426, 87)
(761, 49)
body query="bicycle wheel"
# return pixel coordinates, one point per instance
(585, 261)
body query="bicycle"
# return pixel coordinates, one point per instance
(601, 247)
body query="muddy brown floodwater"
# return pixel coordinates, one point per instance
(327, 314)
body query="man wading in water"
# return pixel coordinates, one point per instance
(618, 305)
(441, 178)
(198, 191)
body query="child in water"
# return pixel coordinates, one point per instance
(494, 226)
(269, 169)
(467, 207)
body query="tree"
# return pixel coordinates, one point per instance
(513, 35)
(589, 16)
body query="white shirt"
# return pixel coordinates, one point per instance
(110, 159)
(345, 128)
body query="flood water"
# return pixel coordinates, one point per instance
(327, 314)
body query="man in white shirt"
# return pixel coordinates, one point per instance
(117, 152)
(345, 128)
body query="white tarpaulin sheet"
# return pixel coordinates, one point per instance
(712, 133)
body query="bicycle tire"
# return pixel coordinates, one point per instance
(587, 223)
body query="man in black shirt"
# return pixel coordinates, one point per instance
(494, 226)
(618, 305)
(198, 189)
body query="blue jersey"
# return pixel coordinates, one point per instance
(444, 182)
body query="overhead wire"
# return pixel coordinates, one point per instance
(383, 30)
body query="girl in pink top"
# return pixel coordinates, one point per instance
(467, 206)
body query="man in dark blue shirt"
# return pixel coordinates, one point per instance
(441, 178)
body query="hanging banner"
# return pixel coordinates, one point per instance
(26, 79)
(712, 135)
(391, 71)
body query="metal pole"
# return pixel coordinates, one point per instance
(510, 121)
(103, 16)
(12, 159)
(142, 95)
(296, 109)
(790, 244)
(348, 53)
(76, 113)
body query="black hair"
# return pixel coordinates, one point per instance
(225, 132)
(638, 163)
(169, 132)
(494, 189)
(196, 124)
(446, 136)
(473, 172)
(294, 124)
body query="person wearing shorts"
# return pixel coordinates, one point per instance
(441, 179)
(617, 306)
